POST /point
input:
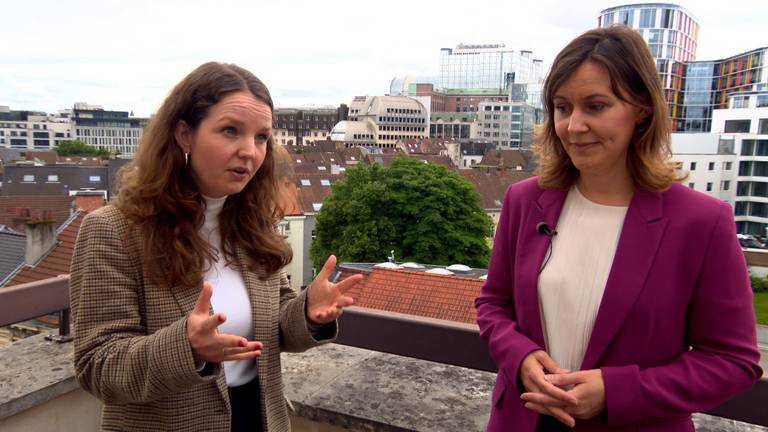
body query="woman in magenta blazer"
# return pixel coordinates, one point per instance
(616, 298)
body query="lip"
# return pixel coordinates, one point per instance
(583, 144)
(240, 171)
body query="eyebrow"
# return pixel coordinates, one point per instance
(589, 96)
(230, 118)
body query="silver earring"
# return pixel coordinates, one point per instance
(186, 159)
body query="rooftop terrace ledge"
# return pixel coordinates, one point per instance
(349, 388)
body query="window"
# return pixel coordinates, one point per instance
(691, 185)
(711, 166)
(762, 101)
(737, 126)
(29, 178)
(709, 186)
(53, 178)
(762, 127)
(325, 182)
(306, 182)
(94, 179)
(693, 166)
(317, 206)
(321, 168)
(725, 185)
(727, 166)
(647, 18)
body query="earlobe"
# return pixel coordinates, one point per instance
(183, 134)
(641, 116)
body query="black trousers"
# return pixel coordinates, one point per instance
(551, 424)
(245, 401)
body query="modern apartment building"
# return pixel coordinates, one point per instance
(508, 125)
(694, 89)
(27, 130)
(671, 32)
(746, 129)
(712, 85)
(116, 131)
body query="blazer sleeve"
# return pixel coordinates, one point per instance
(496, 305)
(115, 359)
(723, 356)
(295, 334)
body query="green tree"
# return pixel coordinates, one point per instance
(79, 148)
(424, 212)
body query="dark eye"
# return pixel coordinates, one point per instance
(561, 109)
(229, 130)
(262, 137)
(596, 106)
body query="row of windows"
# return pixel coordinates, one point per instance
(135, 133)
(401, 128)
(323, 182)
(54, 178)
(755, 189)
(751, 208)
(751, 147)
(399, 137)
(743, 126)
(400, 120)
(403, 111)
(724, 185)
(726, 166)
(753, 168)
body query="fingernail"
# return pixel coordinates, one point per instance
(242, 343)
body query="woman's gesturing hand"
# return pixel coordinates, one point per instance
(325, 299)
(208, 345)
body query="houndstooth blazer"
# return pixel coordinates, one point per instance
(131, 346)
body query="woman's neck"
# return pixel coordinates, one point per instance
(607, 190)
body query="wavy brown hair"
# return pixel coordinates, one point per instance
(634, 79)
(159, 196)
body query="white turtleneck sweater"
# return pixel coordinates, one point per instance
(230, 296)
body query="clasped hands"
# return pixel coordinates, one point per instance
(325, 302)
(546, 385)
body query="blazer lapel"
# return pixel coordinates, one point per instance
(641, 235)
(532, 248)
(258, 293)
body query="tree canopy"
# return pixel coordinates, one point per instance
(424, 212)
(79, 148)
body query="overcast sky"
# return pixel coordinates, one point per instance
(126, 55)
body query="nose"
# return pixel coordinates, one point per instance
(248, 148)
(577, 122)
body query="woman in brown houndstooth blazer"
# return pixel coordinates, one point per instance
(180, 304)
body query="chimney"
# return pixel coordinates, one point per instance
(89, 201)
(41, 238)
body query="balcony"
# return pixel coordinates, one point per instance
(438, 378)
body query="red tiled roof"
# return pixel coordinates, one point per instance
(418, 293)
(509, 158)
(57, 261)
(492, 183)
(60, 206)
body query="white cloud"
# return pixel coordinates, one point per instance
(128, 54)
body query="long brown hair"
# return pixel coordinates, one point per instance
(158, 193)
(634, 79)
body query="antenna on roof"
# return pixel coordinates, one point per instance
(391, 257)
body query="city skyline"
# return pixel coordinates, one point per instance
(128, 55)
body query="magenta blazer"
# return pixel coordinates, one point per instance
(675, 331)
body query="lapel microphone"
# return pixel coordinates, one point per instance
(543, 229)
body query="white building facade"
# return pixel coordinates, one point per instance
(747, 129)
